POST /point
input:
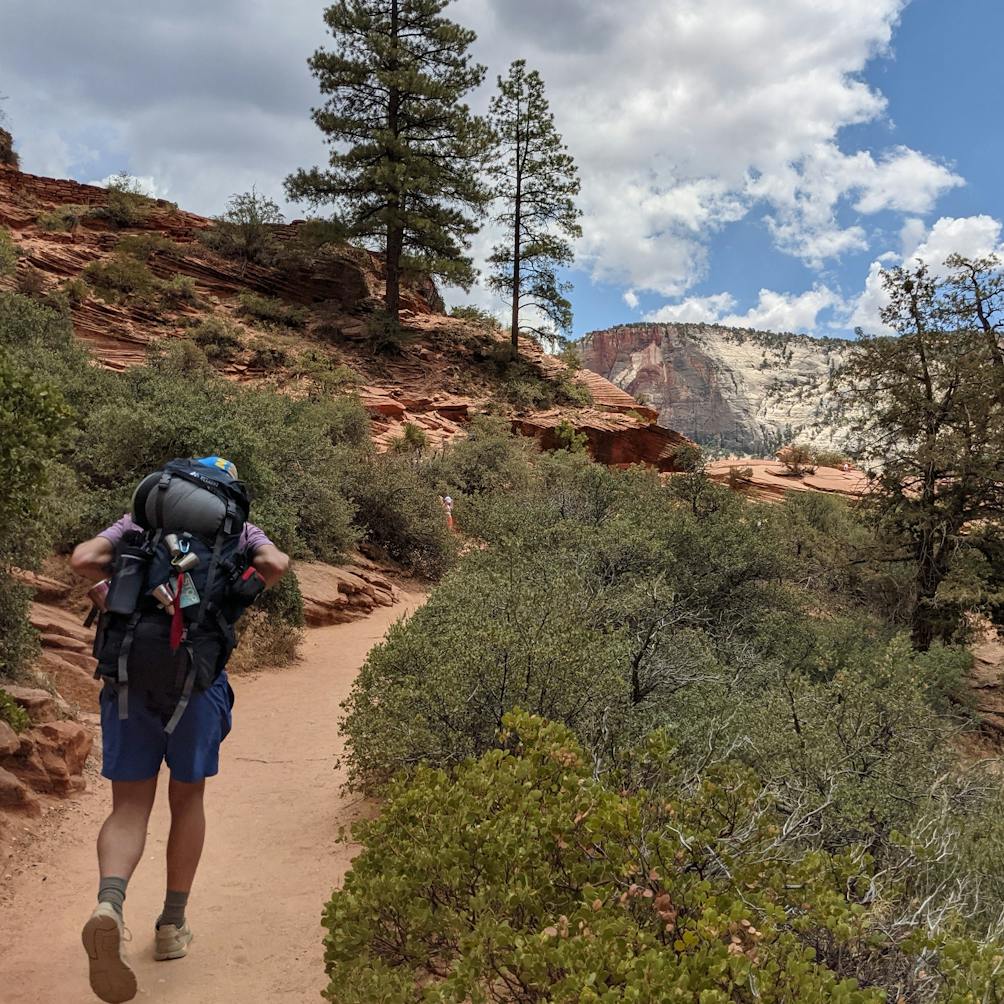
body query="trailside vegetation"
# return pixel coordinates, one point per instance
(929, 410)
(406, 152)
(318, 486)
(534, 182)
(739, 781)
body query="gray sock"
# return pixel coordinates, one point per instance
(174, 909)
(113, 890)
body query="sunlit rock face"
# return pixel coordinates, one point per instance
(731, 390)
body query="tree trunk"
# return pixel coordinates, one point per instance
(392, 297)
(931, 571)
(395, 228)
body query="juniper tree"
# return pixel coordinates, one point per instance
(535, 181)
(932, 420)
(406, 152)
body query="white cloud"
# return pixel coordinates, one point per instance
(683, 115)
(971, 236)
(694, 310)
(773, 311)
(631, 299)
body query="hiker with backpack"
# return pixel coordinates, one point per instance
(174, 575)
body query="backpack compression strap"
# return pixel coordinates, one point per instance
(123, 674)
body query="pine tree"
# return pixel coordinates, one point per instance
(535, 181)
(931, 418)
(406, 153)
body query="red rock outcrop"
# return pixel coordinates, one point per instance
(334, 595)
(768, 481)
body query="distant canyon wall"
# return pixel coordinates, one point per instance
(731, 390)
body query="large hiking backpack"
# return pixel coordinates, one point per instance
(178, 587)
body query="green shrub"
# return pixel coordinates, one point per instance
(125, 205)
(144, 246)
(12, 713)
(76, 291)
(8, 253)
(122, 278)
(268, 355)
(62, 218)
(218, 338)
(30, 282)
(244, 231)
(413, 439)
(524, 876)
(568, 438)
(272, 311)
(8, 155)
(180, 289)
(399, 511)
(477, 316)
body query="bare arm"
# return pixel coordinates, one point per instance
(93, 558)
(271, 563)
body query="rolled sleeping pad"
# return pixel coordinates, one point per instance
(186, 508)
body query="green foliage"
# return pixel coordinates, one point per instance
(11, 712)
(399, 511)
(75, 290)
(479, 317)
(413, 439)
(798, 459)
(522, 876)
(403, 172)
(8, 253)
(217, 337)
(535, 182)
(179, 290)
(937, 392)
(30, 281)
(33, 417)
(244, 232)
(273, 311)
(126, 205)
(267, 354)
(62, 218)
(144, 246)
(8, 155)
(121, 278)
(569, 439)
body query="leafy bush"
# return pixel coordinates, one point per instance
(12, 713)
(478, 316)
(30, 281)
(218, 338)
(268, 355)
(62, 218)
(8, 253)
(569, 439)
(33, 417)
(413, 439)
(244, 231)
(75, 290)
(8, 155)
(272, 311)
(830, 458)
(522, 877)
(122, 278)
(144, 246)
(798, 459)
(126, 204)
(399, 511)
(180, 289)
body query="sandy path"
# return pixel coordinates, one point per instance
(270, 862)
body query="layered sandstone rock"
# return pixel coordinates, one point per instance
(334, 595)
(737, 390)
(768, 481)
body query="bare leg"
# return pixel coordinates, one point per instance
(123, 835)
(188, 832)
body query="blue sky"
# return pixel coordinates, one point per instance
(742, 161)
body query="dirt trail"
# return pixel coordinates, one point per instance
(270, 862)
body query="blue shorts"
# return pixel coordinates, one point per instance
(135, 748)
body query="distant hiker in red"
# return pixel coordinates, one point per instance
(175, 575)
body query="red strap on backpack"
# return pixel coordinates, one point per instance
(178, 617)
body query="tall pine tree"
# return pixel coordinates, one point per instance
(406, 153)
(535, 182)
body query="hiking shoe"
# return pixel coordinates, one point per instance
(111, 978)
(172, 942)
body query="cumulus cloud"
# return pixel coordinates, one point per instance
(683, 116)
(631, 299)
(971, 236)
(773, 311)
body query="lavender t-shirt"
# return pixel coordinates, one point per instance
(252, 537)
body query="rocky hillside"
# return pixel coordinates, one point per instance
(732, 390)
(133, 286)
